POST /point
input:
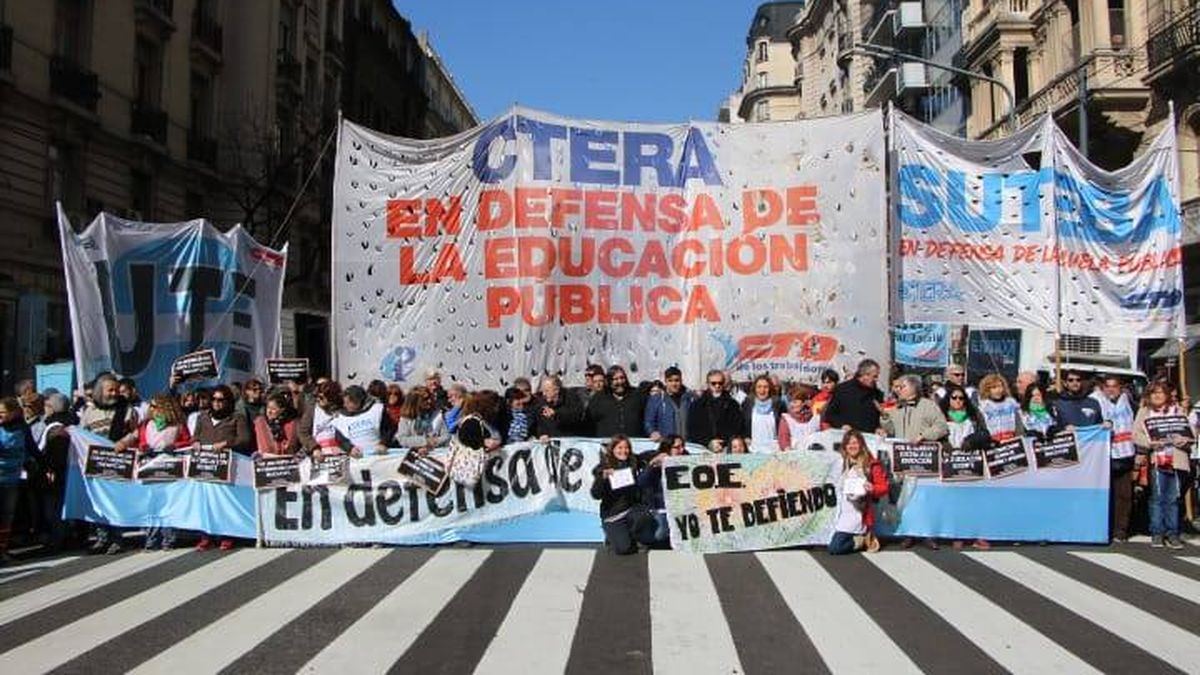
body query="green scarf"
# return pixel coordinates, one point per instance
(957, 415)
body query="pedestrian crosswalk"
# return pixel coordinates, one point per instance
(582, 610)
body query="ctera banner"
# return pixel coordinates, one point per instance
(537, 244)
(144, 294)
(1025, 232)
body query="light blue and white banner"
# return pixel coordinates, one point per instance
(924, 345)
(143, 294)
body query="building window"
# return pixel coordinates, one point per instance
(201, 106)
(71, 30)
(1020, 74)
(762, 111)
(147, 74)
(1116, 23)
(762, 80)
(761, 51)
(141, 196)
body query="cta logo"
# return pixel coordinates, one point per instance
(789, 346)
(1148, 300)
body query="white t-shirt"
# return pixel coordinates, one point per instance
(1120, 415)
(800, 431)
(763, 432)
(850, 511)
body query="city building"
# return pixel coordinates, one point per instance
(769, 88)
(164, 110)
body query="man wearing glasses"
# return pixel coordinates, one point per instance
(956, 374)
(1074, 406)
(715, 417)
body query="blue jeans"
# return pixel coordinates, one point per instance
(842, 543)
(662, 533)
(1164, 502)
(163, 537)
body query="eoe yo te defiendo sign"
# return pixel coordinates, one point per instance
(537, 244)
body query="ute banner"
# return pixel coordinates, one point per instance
(1025, 232)
(538, 244)
(144, 294)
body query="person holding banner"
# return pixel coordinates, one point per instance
(275, 431)
(666, 413)
(1118, 415)
(16, 446)
(556, 411)
(800, 421)
(829, 381)
(1167, 455)
(618, 409)
(625, 518)
(164, 430)
(252, 401)
(856, 403)
(651, 484)
(421, 424)
(967, 429)
(761, 416)
(863, 482)
(915, 418)
(1074, 406)
(1001, 413)
(316, 430)
(362, 428)
(1037, 416)
(220, 428)
(108, 415)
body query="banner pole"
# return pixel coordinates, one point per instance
(1058, 362)
(1183, 388)
(258, 526)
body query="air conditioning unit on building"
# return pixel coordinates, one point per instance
(912, 76)
(909, 16)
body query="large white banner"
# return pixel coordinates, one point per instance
(537, 244)
(1025, 232)
(143, 294)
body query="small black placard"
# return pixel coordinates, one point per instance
(425, 471)
(278, 471)
(915, 459)
(201, 365)
(1056, 453)
(160, 466)
(330, 470)
(210, 466)
(1163, 428)
(282, 371)
(962, 465)
(1007, 458)
(104, 462)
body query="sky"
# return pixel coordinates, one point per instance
(625, 60)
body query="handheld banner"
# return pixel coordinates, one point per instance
(143, 294)
(917, 459)
(276, 471)
(283, 371)
(104, 462)
(160, 466)
(1006, 458)
(210, 465)
(959, 465)
(1056, 453)
(538, 244)
(430, 473)
(986, 239)
(720, 502)
(1169, 428)
(200, 365)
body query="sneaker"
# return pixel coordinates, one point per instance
(1174, 543)
(226, 545)
(1120, 539)
(860, 542)
(204, 544)
(982, 544)
(98, 547)
(1156, 541)
(113, 549)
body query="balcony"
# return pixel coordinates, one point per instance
(147, 120)
(202, 149)
(6, 37)
(1174, 45)
(893, 20)
(889, 80)
(155, 17)
(208, 36)
(982, 16)
(72, 82)
(289, 73)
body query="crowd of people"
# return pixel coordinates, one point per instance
(322, 418)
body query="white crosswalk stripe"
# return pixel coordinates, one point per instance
(804, 585)
(1184, 587)
(1008, 640)
(545, 612)
(58, 647)
(688, 620)
(223, 641)
(13, 572)
(81, 583)
(385, 632)
(1165, 640)
(688, 631)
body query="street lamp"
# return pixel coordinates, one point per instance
(882, 51)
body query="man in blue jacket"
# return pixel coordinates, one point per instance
(666, 413)
(1074, 407)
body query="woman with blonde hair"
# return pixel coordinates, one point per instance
(1001, 412)
(1168, 460)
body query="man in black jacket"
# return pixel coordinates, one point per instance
(618, 410)
(555, 411)
(855, 402)
(715, 417)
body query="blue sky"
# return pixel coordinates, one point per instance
(647, 60)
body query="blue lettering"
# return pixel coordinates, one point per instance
(659, 159)
(960, 212)
(584, 155)
(480, 161)
(917, 183)
(695, 149)
(541, 134)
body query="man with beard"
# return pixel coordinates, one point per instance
(554, 412)
(107, 414)
(715, 418)
(222, 428)
(617, 410)
(666, 413)
(1074, 407)
(433, 383)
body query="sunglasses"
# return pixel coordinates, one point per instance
(1074, 379)
(218, 399)
(716, 383)
(958, 398)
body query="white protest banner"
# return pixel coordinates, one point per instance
(1025, 232)
(144, 294)
(538, 244)
(721, 502)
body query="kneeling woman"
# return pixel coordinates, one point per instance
(863, 482)
(625, 518)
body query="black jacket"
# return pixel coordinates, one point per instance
(565, 421)
(714, 417)
(854, 405)
(608, 416)
(613, 501)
